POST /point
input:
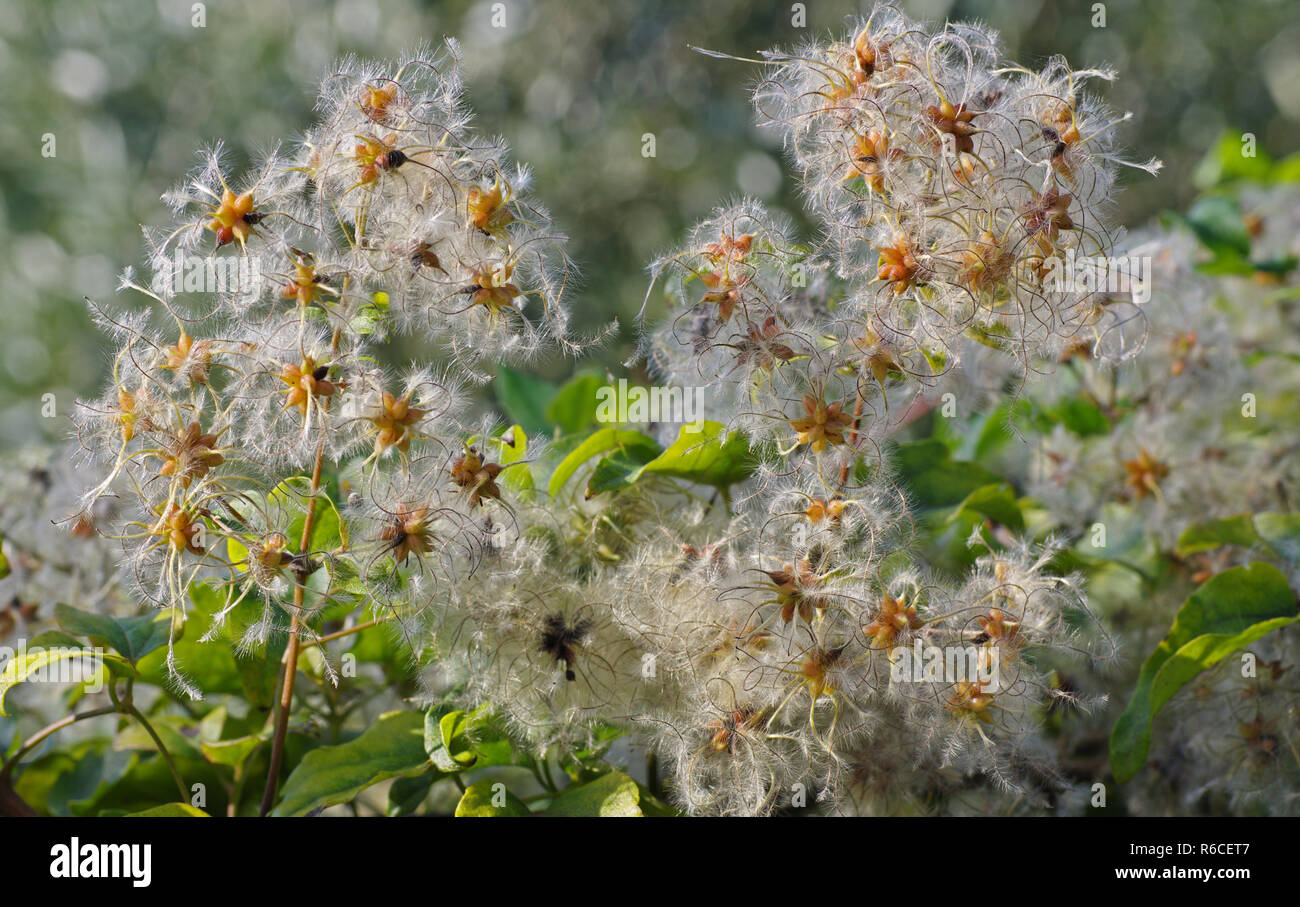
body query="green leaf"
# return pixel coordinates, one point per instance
(619, 470)
(1287, 170)
(406, 794)
(213, 664)
(1229, 612)
(481, 800)
(934, 478)
(613, 794)
(711, 456)
(524, 399)
(71, 773)
(371, 316)
(171, 729)
(231, 752)
(4, 561)
(456, 751)
(513, 444)
(145, 782)
(294, 495)
(573, 408)
(237, 552)
(600, 442)
(491, 743)
(991, 430)
(1281, 531)
(1217, 222)
(456, 740)
(328, 775)
(171, 811)
(1078, 414)
(259, 671)
(35, 662)
(131, 637)
(1224, 163)
(1234, 530)
(995, 335)
(585, 764)
(993, 502)
(654, 808)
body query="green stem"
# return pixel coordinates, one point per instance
(130, 709)
(34, 740)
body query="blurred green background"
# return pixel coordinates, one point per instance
(130, 88)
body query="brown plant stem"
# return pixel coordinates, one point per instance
(330, 637)
(295, 628)
(13, 805)
(291, 651)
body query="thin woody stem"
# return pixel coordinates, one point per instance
(295, 630)
(34, 740)
(291, 651)
(330, 637)
(129, 708)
